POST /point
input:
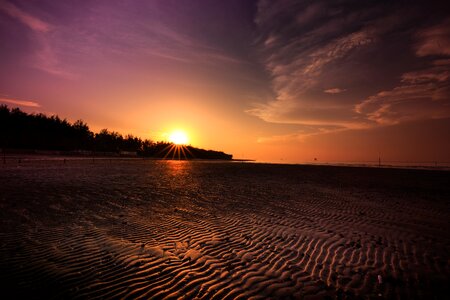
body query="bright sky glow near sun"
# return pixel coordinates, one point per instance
(179, 137)
(280, 81)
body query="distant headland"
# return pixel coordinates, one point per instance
(38, 133)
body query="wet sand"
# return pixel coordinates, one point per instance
(138, 229)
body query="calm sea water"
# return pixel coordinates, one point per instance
(386, 164)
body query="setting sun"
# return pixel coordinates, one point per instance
(178, 137)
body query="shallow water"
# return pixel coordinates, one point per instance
(215, 230)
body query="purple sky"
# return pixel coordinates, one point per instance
(267, 79)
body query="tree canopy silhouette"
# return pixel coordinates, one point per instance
(20, 130)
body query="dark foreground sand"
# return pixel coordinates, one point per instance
(208, 230)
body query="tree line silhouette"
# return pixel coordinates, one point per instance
(20, 130)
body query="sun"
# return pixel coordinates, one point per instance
(178, 137)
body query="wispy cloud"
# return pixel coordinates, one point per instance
(298, 55)
(334, 91)
(26, 103)
(300, 135)
(308, 47)
(141, 39)
(47, 58)
(434, 40)
(29, 20)
(44, 37)
(423, 94)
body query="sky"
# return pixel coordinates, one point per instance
(279, 81)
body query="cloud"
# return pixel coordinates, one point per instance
(24, 17)
(421, 95)
(300, 42)
(300, 135)
(26, 103)
(46, 55)
(309, 46)
(48, 58)
(102, 37)
(334, 91)
(434, 40)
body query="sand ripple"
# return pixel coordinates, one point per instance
(193, 230)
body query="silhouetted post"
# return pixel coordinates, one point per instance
(379, 159)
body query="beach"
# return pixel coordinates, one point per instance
(150, 229)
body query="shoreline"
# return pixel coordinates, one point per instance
(18, 157)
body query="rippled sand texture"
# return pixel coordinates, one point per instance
(208, 230)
